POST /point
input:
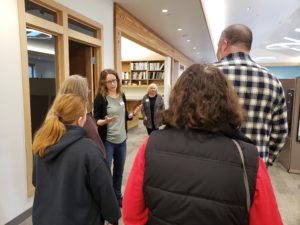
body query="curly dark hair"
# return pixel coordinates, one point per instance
(203, 98)
(102, 89)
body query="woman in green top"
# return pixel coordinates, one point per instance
(111, 116)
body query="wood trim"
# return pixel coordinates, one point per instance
(37, 23)
(63, 55)
(50, 4)
(82, 19)
(26, 96)
(64, 34)
(83, 38)
(132, 28)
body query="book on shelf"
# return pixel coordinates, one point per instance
(156, 66)
(156, 75)
(138, 75)
(125, 75)
(138, 66)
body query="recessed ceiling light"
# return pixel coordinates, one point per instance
(194, 48)
(179, 29)
(164, 10)
(248, 8)
(198, 53)
(188, 40)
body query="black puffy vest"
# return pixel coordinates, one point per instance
(196, 178)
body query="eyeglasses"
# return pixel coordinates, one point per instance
(111, 81)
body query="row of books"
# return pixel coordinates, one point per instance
(139, 75)
(138, 66)
(156, 75)
(156, 66)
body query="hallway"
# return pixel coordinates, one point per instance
(286, 185)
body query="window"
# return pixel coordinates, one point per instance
(40, 11)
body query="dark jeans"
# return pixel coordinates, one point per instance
(116, 153)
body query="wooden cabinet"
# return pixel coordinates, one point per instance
(142, 73)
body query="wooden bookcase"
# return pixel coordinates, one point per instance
(143, 73)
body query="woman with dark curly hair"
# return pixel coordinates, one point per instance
(200, 169)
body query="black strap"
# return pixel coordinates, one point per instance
(246, 183)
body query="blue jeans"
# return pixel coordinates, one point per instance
(116, 152)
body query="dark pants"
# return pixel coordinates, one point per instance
(149, 130)
(117, 153)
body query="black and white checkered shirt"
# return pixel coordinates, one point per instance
(263, 98)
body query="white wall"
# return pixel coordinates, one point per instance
(13, 187)
(100, 11)
(13, 178)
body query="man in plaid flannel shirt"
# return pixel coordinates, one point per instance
(260, 92)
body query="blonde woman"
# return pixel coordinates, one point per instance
(152, 103)
(71, 178)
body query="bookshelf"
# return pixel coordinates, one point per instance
(142, 73)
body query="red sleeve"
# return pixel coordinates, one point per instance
(264, 208)
(134, 211)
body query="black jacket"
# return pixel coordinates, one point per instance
(200, 178)
(100, 111)
(73, 184)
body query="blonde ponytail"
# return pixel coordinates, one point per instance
(49, 134)
(66, 109)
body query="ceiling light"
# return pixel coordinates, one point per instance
(297, 29)
(198, 53)
(179, 29)
(35, 34)
(188, 40)
(291, 39)
(248, 8)
(164, 10)
(288, 45)
(194, 48)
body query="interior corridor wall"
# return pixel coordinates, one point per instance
(13, 177)
(13, 189)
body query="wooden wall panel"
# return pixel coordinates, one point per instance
(132, 28)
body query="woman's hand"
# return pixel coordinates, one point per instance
(109, 119)
(137, 109)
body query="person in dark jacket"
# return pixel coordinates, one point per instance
(71, 177)
(76, 84)
(153, 103)
(200, 169)
(111, 116)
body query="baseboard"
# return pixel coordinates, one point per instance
(19, 219)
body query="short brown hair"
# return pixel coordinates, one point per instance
(203, 98)
(102, 89)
